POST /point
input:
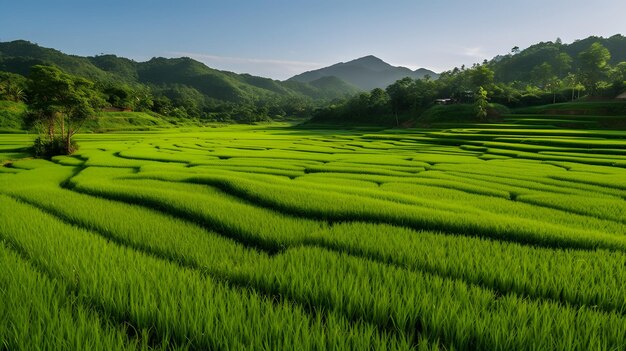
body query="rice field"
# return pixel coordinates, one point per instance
(483, 237)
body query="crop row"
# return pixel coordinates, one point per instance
(313, 203)
(378, 293)
(41, 313)
(470, 259)
(180, 307)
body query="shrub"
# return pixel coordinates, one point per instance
(43, 147)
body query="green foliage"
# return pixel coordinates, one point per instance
(407, 94)
(399, 102)
(12, 114)
(182, 88)
(618, 73)
(590, 108)
(594, 65)
(481, 104)
(12, 87)
(127, 97)
(19, 56)
(63, 99)
(481, 76)
(542, 74)
(121, 121)
(461, 113)
(185, 89)
(563, 64)
(518, 66)
(44, 147)
(121, 67)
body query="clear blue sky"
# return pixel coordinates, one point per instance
(279, 38)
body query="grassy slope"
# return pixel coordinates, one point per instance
(594, 108)
(11, 115)
(120, 121)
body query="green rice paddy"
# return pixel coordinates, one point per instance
(483, 237)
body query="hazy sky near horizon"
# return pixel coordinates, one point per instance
(280, 38)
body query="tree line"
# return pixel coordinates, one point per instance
(554, 80)
(59, 103)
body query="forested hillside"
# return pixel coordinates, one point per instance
(182, 87)
(562, 58)
(546, 73)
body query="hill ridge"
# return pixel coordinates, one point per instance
(19, 55)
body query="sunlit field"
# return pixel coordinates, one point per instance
(494, 237)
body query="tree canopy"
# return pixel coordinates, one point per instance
(61, 102)
(594, 67)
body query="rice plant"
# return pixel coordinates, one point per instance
(477, 237)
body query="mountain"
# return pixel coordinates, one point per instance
(366, 73)
(168, 73)
(18, 56)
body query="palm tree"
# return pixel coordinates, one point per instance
(15, 93)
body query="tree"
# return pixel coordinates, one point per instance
(515, 50)
(505, 93)
(562, 64)
(554, 85)
(12, 87)
(399, 96)
(61, 100)
(542, 74)
(83, 102)
(378, 101)
(618, 73)
(572, 82)
(12, 92)
(47, 90)
(481, 104)
(481, 76)
(594, 65)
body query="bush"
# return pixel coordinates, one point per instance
(43, 147)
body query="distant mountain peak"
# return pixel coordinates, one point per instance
(368, 59)
(367, 72)
(371, 62)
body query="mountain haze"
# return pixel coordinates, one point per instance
(366, 73)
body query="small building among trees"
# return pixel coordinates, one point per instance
(446, 101)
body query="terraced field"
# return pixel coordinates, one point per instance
(490, 237)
